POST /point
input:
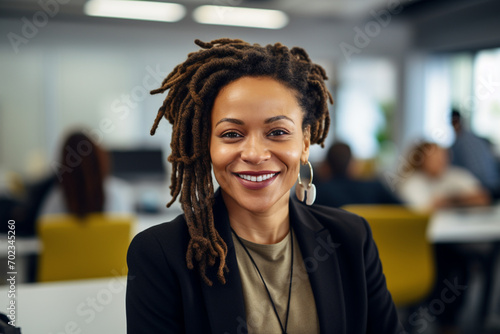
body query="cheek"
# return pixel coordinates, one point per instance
(221, 156)
(292, 159)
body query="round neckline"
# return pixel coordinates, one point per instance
(277, 245)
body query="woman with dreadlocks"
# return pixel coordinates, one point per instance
(248, 258)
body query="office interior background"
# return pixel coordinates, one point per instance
(396, 69)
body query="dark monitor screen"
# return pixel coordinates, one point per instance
(138, 164)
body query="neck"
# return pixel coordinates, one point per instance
(268, 227)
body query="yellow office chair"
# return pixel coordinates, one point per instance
(78, 249)
(406, 254)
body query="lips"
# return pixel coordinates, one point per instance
(256, 180)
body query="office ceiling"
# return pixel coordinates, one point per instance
(334, 9)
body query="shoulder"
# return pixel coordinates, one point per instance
(164, 233)
(340, 223)
(168, 240)
(461, 175)
(331, 215)
(454, 171)
(413, 181)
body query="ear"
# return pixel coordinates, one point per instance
(306, 144)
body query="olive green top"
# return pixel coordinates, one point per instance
(274, 264)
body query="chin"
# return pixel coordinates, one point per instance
(255, 202)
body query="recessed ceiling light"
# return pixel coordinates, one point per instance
(136, 10)
(240, 16)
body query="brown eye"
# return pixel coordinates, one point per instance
(231, 134)
(278, 132)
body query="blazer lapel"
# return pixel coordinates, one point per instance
(320, 257)
(225, 303)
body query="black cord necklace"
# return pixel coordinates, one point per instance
(283, 329)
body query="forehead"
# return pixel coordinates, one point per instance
(252, 96)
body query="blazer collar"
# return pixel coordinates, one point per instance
(225, 303)
(319, 252)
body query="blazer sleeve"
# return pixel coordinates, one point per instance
(382, 314)
(153, 301)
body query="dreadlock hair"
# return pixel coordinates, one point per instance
(193, 86)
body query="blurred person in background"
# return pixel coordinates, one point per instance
(475, 154)
(85, 185)
(342, 188)
(429, 184)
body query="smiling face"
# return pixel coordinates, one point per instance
(257, 143)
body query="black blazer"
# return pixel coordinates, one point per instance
(345, 273)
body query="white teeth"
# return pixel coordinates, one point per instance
(259, 178)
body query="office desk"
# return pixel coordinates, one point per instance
(88, 306)
(464, 225)
(476, 231)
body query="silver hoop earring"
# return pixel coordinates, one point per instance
(301, 190)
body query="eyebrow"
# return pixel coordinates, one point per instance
(267, 121)
(278, 118)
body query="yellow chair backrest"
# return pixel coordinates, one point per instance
(95, 246)
(407, 256)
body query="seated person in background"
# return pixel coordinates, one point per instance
(431, 183)
(84, 183)
(342, 188)
(474, 154)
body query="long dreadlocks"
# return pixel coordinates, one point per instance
(193, 86)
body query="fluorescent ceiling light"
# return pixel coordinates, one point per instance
(136, 10)
(240, 16)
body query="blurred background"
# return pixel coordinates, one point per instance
(396, 70)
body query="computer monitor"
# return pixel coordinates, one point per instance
(138, 164)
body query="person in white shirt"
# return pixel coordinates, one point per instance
(430, 182)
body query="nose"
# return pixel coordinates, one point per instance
(255, 150)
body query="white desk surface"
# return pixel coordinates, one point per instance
(87, 307)
(477, 224)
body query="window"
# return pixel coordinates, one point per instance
(365, 105)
